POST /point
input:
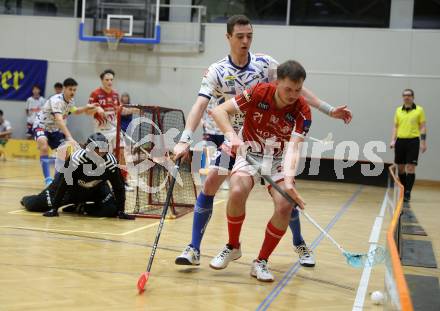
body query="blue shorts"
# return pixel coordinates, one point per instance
(215, 138)
(222, 160)
(54, 139)
(29, 130)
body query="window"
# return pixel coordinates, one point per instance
(259, 11)
(346, 13)
(39, 7)
(426, 14)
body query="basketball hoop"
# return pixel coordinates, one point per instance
(113, 35)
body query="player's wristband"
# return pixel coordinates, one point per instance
(325, 107)
(423, 136)
(186, 137)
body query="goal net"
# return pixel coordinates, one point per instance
(146, 138)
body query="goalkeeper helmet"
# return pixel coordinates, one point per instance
(97, 140)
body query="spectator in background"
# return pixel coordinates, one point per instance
(126, 114)
(33, 107)
(5, 132)
(58, 88)
(409, 136)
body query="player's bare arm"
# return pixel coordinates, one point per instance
(6, 133)
(340, 112)
(90, 109)
(61, 124)
(423, 145)
(193, 121)
(222, 116)
(128, 111)
(291, 161)
(393, 137)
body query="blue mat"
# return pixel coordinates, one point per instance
(408, 216)
(425, 292)
(413, 230)
(418, 254)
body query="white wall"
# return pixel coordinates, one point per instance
(364, 68)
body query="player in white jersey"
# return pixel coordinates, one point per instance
(50, 129)
(33, 107)
(223, 80)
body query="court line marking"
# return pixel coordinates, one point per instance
(130, 274)
(7, 179)
(38, 214)
(20, 211)
(361, 292)
(87, 232)
(170, 249)
(18, 180)
(24, 212)
(296, 266)
(142, 228)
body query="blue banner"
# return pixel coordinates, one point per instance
(18, 76)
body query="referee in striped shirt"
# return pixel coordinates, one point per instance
(409, 136)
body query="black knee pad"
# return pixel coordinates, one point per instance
(105, 203)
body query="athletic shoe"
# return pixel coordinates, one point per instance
(48, 181)
(260, 271)
(189, 257)
(223, 258)
(306, 258)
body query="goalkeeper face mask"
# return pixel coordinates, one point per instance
(98, 143)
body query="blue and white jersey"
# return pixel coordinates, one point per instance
(33, 106)
(55, 104)
(224, 80)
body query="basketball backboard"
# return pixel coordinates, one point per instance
(144, 22)
(138, 19)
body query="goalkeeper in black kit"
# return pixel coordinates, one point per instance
(83, 179)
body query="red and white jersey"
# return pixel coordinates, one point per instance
(109, 102)
(263, 121)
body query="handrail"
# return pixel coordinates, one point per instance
(402, 287)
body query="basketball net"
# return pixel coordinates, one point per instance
(113, 36)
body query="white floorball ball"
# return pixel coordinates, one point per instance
(377, 297)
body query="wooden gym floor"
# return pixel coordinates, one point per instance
(81, 263)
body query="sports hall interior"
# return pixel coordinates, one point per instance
(75, 262)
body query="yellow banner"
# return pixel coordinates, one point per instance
(22, 149)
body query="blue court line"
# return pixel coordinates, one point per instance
(295, 268)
